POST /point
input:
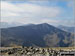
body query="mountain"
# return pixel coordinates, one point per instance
(66, 28)
(42, 35)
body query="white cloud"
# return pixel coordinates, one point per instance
(28, 13)
(9, 10)
(8, 14)
(40, 10)
(10, 7)
(50, 21)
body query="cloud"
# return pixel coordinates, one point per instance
(71, 3)
(50, 21)
(68, 23)
(27, 13)
(8, 9)
(37, 12)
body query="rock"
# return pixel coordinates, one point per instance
(32, 51)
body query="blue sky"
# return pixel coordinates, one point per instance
(25, 12)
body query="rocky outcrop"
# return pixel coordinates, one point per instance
(32, 51)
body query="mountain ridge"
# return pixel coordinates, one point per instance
(42, 35)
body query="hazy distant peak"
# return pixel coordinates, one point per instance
(67, 28)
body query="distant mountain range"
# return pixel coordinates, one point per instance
(42, 35)
(7, 25)
(66, 28)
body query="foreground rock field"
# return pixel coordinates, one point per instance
(33, 51)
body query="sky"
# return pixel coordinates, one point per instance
(54, 12)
